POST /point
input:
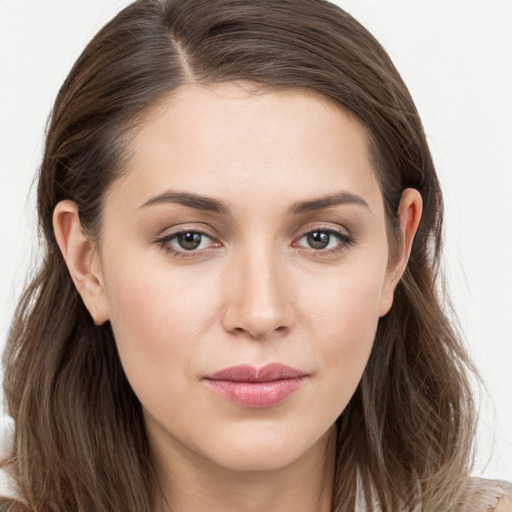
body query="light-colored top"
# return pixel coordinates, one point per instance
(7, 485)
(487, 495)
(480, 495)
(492, 495)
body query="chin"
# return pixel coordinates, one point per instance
(256, 460)
(267, 452)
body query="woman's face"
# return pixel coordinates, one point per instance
(247, 231)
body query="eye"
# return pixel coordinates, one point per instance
(186, 243)
(328, 240)
(190, 240)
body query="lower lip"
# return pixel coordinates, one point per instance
(256, 395)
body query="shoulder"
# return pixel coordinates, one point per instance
(504, 505)
(7, 485)
(9, 497)
(491, 495)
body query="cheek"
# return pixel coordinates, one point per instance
(346, 302)
(146, 295)
(344, 321)
(157, 318)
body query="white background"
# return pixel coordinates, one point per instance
(455, 56)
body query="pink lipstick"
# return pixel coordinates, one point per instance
(256, 388)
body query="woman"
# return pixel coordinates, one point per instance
(238, 306)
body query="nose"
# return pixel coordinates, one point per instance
(259, 298)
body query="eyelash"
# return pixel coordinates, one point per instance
(165, 244)
(344, 242)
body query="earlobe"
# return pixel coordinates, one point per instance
(82, 259)
(409, 212)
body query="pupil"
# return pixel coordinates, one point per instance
(189, 241)
(318, 240)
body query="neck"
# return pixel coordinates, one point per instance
(190, 483)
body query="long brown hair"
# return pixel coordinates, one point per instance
(79, 442)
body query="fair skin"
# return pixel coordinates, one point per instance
(505, 505)
(288, 264)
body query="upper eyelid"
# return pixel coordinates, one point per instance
(343, 237)
(322, 227)
(180, 231)
(184, 228)
(171, 232)
(164, 243)
(171, 236)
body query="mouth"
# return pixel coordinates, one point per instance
(256, 388)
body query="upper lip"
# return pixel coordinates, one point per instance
(248, 373)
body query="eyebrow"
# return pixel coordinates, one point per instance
(195, 201)
(204, 203)
(337, 199)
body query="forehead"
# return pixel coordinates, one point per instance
(233, 141)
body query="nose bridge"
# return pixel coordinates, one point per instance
(259, 301)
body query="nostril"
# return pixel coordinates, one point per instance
(258, 332)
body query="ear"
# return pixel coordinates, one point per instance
(82, 259)
(409, 212)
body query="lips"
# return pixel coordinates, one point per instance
(256, 388)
